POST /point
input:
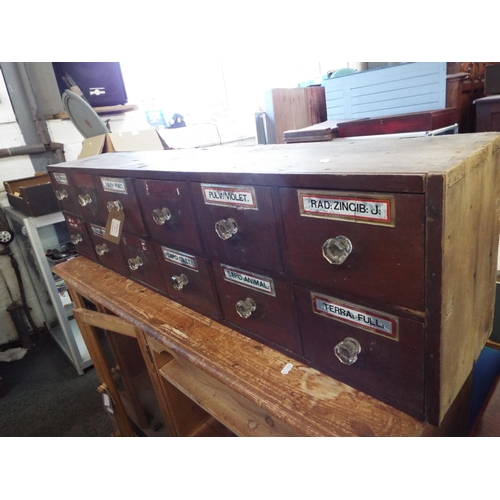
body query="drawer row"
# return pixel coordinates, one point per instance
(366, 245)
(379, 353)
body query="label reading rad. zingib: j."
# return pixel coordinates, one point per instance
(242, 197)
(351, 207)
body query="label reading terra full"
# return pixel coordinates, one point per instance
(230, 196)
(349, 313)
(180, 258)
(249, 280)
(112, 185)
(350, 208)
(61, 178)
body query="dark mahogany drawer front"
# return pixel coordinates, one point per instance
(119, 191)
(188, 280)
(109, 254)
(386, 259)
(390, 364)
(263, 306)
(238, 224)
(65, 193)
(168, 213)
(142, 263)
(79, 236)
(86, 195)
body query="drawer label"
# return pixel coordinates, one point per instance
(61, 178)
(112, 185)
(230, 196)
(352, 314)
(249, 280)
(98, 230)
(180, 258)
(349, 207)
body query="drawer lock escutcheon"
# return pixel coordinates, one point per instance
(246, 307)
(161, 215)
(76, 238)
(114, 204)
(226, 228)
(84, 199)
(61, 194)
(347, 351)
(101, 249)
(180, 281)
(135, 263)
(336, 250)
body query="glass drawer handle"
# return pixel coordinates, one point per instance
(225, 228)
(84, 199)
(336, 250)
(113, 204)
(61, 194)
(76, 238)
(161, 215)
(101, 249)
(246, 307)
(347, 351)
(179, 282)
(135, 263)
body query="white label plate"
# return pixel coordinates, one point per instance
(61, 178)
(114, 185)
(254, 281)
(373, 321)
(230, 196)
(180, 258)
(98, 230)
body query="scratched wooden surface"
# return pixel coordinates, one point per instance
(310, 403)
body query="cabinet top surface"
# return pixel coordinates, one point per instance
(408, 157)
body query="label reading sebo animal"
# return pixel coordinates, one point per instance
(180, 258)
(230, 196)
(353, 208)
(349, 313)
(249, 280)
(61, 178)
(112, 185)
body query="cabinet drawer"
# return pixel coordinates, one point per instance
(188, 280)
(86, 195)
(65, 192)
(386, 262)
(262, 306)
(390, 365)
(142, 263)
(238, 224)
(119, 191)
(109, 254)
(168, 213)
(79, 236)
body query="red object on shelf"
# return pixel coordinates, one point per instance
(397, 124)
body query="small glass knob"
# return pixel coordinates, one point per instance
(336, 250)
(61, 194)
(101, 249)
(135, 263)
(179, 282)
(347, 351)
(113, 204)
(75, 238)
(246, 307)
(225, 228)
(84, 199)
(161, 215)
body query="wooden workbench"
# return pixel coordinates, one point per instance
(234, 380)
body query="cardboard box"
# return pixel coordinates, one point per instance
(32, 196)
(142, 140)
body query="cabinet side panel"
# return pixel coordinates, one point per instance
(470, 249)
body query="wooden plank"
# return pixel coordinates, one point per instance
(105, 321)
(309, 402)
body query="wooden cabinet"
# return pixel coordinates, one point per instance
(392, 243)
(488, 114)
